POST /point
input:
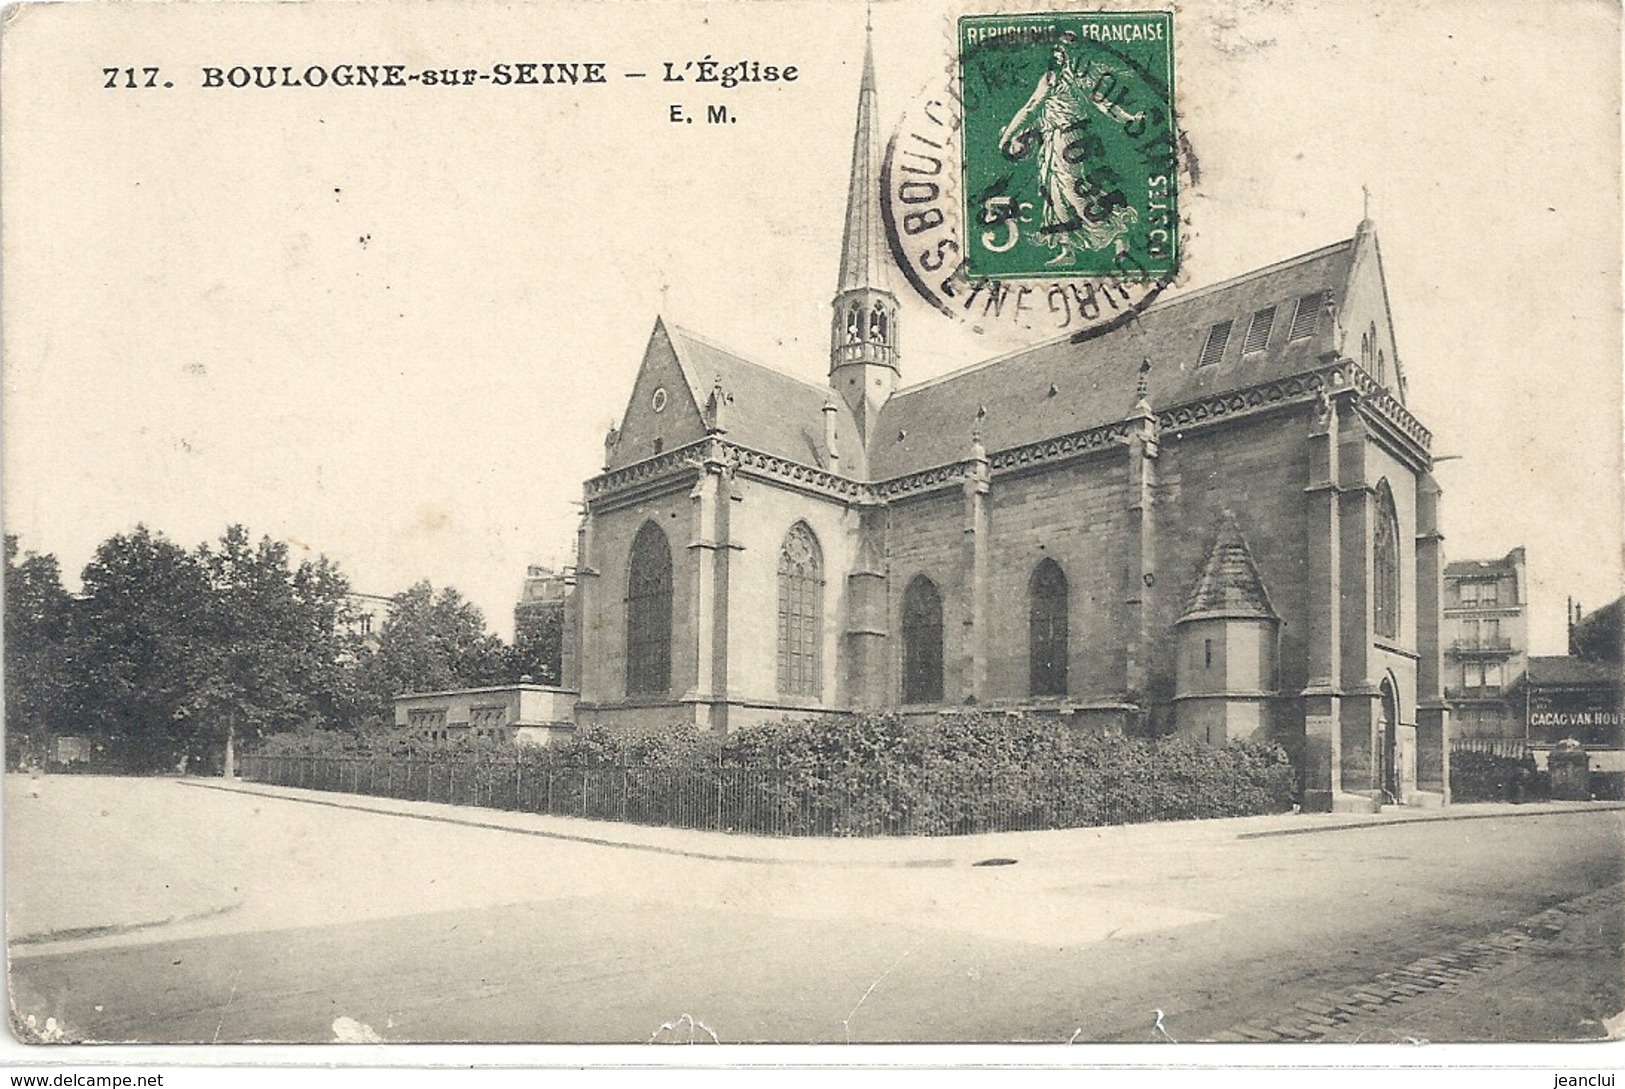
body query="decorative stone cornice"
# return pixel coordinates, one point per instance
(925, 480)
(1079, 442)
(1298, 387)
(1377, 400)
(755, 463)
(714, 451)
(1342, 374)
(691, 456)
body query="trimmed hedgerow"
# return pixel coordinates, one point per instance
(974, 772)
(862, 775)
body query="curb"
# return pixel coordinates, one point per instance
(596, 841)
(936, 862)
(80, 933)
(1591, 807)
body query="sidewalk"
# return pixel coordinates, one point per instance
(88, 889)
(82, 862)
(900, 851)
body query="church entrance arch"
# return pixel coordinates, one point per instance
(1389, 740)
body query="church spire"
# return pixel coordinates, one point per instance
(863, 362)
(863, 248)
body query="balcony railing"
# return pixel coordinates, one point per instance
(1476, 692)
(1481, 645)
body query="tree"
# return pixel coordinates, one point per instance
(538, 642)
(181, 651)
(38, 653)
(427, 643)
(145, 660)
(275, 641)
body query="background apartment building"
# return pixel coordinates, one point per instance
(1486, 643)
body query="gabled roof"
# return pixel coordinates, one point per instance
(1094, 382)
(1229, 585)
(767, 410)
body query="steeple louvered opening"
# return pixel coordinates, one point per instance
(1258, 331)
(1213, 349)
(1306, 318)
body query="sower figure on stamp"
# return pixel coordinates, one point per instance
(1078, 212)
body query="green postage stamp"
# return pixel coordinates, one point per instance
(1069, 145)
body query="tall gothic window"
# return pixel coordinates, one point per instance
(1046, 646)
(648, 614)
(801, 612)
(1385, 563)
(922, 642)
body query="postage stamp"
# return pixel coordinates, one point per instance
(1069, 145)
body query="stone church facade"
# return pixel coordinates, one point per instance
(1220, 523)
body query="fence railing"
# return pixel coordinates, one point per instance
(1514, 747)
(765, 801)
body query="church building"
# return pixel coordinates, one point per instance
(1219, 522)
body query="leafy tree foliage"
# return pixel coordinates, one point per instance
(430, 641)
(38, 652)
(1597, 638)
(276, 638)
(538, 643)
(145, 658)
(169, 652)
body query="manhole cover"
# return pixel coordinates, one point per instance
(995, 862)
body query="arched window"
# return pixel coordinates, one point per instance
(853, 321)
(801, 612)
(922, 642)
(648, 614)
(1385, 565)
(1046, 646)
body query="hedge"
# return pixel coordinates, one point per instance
(862, 775)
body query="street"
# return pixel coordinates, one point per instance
(162, 911)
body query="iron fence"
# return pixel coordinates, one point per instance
(945, 800)
(1513, 747)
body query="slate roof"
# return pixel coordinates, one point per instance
(1563, 670)
(1229, 584)
(769, 411)
(930, 424)
(1480, 568)
(1094, 383)
(864, 258)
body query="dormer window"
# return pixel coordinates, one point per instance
(1307, 316)
(1258, 331)
(1213, 350)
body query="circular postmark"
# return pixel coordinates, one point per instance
(1035, 184)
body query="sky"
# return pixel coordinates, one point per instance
(392, 326)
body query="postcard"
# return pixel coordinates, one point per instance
(924, 522)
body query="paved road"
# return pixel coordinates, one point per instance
(419, 931)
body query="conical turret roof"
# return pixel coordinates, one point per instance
(1229, 585)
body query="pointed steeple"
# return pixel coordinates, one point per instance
(862, 247)
(863, 359)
